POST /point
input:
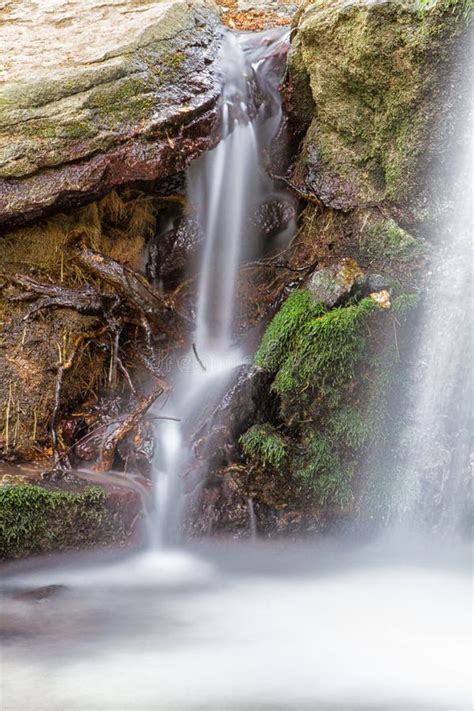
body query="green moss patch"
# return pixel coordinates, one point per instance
(279, 336)
(319, 467)
(265, 445)
(34, 519)
(315, 349)
(461, 8)
(386, 242)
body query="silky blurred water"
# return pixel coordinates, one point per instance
(243, 627)
(332, 626)
(224, 186)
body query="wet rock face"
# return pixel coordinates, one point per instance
(215, 439)
(170, 254)
(119, 93)
(271, 217)
(246, 396)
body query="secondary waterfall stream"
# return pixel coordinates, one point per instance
(224, 185)
(436, 445)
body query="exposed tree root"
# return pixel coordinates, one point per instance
(125, 299)
(130, 285)
(86, 300)
(112, 440)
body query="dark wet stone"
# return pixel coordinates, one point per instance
(247, 394)
(40, 594)
(272, 217)
(215, 447)
(377, 282)
(171, 253)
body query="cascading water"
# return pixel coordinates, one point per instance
(437, 441)
(224, 185)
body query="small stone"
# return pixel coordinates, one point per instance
(377, 282)
(40, 594)
(332, 285)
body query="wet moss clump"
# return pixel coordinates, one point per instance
(323, 354)
(318, 465)
(264, 444)
(34, 519)
(279, 336)
(334, 372)
(404, 304)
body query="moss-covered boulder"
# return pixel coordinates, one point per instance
(377, 81)
(333, 370)
(96, 95)
(41, 519)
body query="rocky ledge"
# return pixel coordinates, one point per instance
(95, 95)
(42, 512)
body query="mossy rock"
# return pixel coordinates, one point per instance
(383, 78)
(333, 372)
(88, 116)
(385, 241)
(334, 285)
(35, 519)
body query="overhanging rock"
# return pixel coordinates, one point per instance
(95, 95)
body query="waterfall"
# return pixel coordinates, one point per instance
(330, 623)
(224, 186)
(436, 444)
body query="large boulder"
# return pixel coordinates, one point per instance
(94, 95)
(378, 84)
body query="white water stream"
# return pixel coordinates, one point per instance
(224, 185)
(250, 628)
(437, 444)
